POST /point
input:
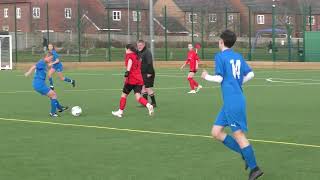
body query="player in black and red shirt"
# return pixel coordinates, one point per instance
(193, 61)
(133, 81)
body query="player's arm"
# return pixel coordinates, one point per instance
(219, 71)
(126, 74)
(30, 71)
(216, 78)
(248, 77)
(248, 73)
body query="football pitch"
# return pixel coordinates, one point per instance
(175, 144)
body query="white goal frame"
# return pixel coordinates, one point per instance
(10, 51)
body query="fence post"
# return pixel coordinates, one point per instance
(15, 31)
(48, 34)
(304, 33)
(310, 18)
(226, 17)
(138, 19)
(273, 33)
(250, 41)
(165, 33)
(109, 37)
(202, 33)
(192, 26)
(289, 29)
(79, 31)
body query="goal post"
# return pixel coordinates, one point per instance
(5, 52)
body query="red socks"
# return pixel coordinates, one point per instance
(193, 83)
(143, 101)
(123, 102)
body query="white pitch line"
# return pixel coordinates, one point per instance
(151, 132)
(279, 80)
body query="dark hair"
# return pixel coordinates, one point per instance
(49, 54)
(141, 41)
(132, 48)
(53, 47)
(229, 38)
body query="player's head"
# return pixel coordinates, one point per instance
(141, 44)
(51, 47)
(227, 39)
(190, 47)
(130, 48)
(48, 57)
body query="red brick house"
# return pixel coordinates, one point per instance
(32, 15)
(138, 15)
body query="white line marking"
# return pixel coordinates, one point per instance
(285, 81)
(151, 132)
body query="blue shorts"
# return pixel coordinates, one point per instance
(58, 67)
(234, 117)
(41, 88)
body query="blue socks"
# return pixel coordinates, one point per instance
(54, 105)
(249, 156)
(67, 80)
(51, 81)
(232, 144)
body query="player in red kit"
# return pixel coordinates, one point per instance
(193, 61)
(133, 81)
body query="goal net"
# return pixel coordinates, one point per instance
(5, 52)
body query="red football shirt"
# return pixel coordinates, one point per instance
(193, 59)
(135, 77)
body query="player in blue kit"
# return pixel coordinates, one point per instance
(56, 66)
(232, 72)
(40, 86)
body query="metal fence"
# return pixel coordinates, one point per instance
(272, 31)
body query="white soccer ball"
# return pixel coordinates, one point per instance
(76, 111)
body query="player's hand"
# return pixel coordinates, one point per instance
(181, 68)
(204, 74)
(27, 74)
(50, 64)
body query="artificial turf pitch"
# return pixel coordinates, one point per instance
(87, 148)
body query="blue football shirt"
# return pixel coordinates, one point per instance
(232, 67)
(40, 72)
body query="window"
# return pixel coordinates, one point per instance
(192, 17)
(36, 12)
(260, 19)
(18, 13)
(67, 13)
(116, 15)
(288, 19)
(212, 17)
(230, 18)
(5, 28)
(135, 16)
(5, 13)
(313, 20)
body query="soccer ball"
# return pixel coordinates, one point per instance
(76, 111)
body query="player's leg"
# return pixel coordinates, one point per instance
(144, 92)
(149, 83)
(55, 104)
(66, 79)
(219, 134)
(123, 100)
(50, 74)
(196, 84)
(152, 96)
(248, 154)
(191, 83)
(137, 92)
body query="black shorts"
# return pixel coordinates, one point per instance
(127, 88)
(193, 71)
(148, 81)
